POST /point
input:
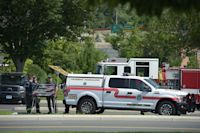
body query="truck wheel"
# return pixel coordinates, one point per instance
(86, 106)
(100, 111)
(166, 108)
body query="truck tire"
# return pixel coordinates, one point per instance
(86, 106)
(166, 108)
(100, 111)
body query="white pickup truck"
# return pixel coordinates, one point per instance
(91, 93)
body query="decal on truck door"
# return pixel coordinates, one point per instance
(139, 97)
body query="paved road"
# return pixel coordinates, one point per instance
(21, 109)
(111, 120)
(99, 123)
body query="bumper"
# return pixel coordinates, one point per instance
(182, 108)
(11, 97)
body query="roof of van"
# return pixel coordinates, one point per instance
(101, 76)
(120, 76)
(86, 75)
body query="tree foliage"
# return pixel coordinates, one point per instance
(162, 37)
(153, 7)
(36, 70)
(71, 56)
(62, 53)
(89, 56)
(26, 24)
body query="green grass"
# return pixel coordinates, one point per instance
(83, 132)
(60, 95)
(5, 112)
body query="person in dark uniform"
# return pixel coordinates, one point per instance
(66, 107)
(193, 104)
(31, 85)
(189, 102)
(51, 99)
(64, 102)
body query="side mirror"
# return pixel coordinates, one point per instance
(147, 89)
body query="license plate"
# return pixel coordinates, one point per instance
(8, 96)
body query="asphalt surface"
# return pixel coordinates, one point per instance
(109, 121)
(99, 123)
(21, 109)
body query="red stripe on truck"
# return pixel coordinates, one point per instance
(116, 93)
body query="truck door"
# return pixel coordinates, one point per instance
(117, 93)
(127, 93)
(144, 97)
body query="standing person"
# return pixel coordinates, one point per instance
(31, 85)
(193, 102)
(66, 111)
(189, 102)
(51, 99)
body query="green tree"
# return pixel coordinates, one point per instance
(75, 16)
(26, 24)
(162, 37)
(36, 70)
(62, 53)
(153, 7)
(71, 56)
(89, 56)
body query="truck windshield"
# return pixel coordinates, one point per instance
(12, 79)
(153, 83)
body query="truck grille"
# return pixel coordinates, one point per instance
(9, 88)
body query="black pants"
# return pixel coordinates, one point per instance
(66, 107)
(51, 102)
(30, 103)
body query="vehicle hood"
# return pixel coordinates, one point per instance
(4, 85)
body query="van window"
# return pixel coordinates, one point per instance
(99, 69)
(110, 70)
(142, 69)
(127, 69)
(119, 83)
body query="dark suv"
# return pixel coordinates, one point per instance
(12, 87)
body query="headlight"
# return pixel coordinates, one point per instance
(21, 88)
(181, 99)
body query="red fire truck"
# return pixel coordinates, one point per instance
(190, 82)
(187, 80)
